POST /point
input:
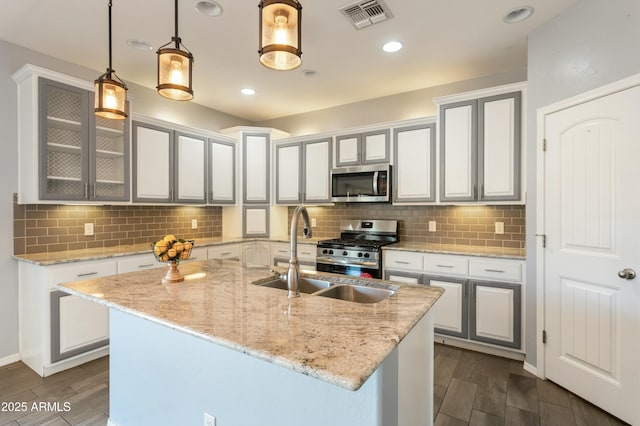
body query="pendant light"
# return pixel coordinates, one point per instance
(175, 69)
(110, 91)
(280, 34)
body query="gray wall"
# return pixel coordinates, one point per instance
(591, 44)
(146, 102)
(403, 106)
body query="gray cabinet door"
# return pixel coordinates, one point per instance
(256, 168)
(189, 168)
(152, 163)
(451, 312)
(289, 171)
(363, 148)
(64, 141)
(414, 171)
(316, 171)
(221, 172)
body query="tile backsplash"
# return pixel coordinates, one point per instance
(44, 227)
(463, 225)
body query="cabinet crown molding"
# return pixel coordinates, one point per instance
(481, 93)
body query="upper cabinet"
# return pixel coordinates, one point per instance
(66, 152)
(414, 171)
(255, 168)
(303, 172)
(221, 172)
(363, 148)
(168, 166)
(480, 144)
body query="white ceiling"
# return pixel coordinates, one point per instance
(445, 41)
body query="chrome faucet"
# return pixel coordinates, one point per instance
(292, 275)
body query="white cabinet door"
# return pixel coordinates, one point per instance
(256, 221)
(82, 323)
(415, 164)
(499, 132)
(317, 170)
(222, 172)
(495, 313)
(288, 172)
(225, 252)
(256, 254)
(347, 150)
(190, 167)
(458, 167)
(375, 147)
(256, 168)
(152, 165)
(450, 313)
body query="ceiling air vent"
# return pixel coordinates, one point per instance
(365, 13)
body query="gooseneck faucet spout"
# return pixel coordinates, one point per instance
(292, 276)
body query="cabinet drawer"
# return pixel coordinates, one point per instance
(81, 271)
(306, 252)
(281, 250)
(446, 265)
(137, 263)
(403, 260)
(500, 270)
(199, 253)
(230, 252)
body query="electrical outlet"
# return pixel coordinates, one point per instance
(88, 229)
(432, 226)
(209, 420)
(313, 222)
(500, 228)
(194, 223)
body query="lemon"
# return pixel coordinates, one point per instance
(184, 255)
(187, 246)
(160, 247)
(169, 238)
(172, 253)
(178, 246)
(164, 257)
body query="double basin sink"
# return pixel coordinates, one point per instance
(348, 292)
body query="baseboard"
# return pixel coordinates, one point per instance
(9, 359)
(530, 368)
(491, 350)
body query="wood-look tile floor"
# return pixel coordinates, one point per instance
(471, 388)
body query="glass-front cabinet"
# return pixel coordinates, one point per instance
(82, 157)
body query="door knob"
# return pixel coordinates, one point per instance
(627, 274)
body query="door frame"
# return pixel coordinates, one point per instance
(599, 92)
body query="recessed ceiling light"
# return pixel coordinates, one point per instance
(208, 7)
(392, 46)
(247, 91)
(518, 14)
(139, 44)
(309, 73)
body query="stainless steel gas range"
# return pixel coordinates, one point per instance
(358, 251)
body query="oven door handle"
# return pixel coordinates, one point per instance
(375, 183)
(330, 261)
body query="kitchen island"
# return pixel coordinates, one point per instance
(218, 343)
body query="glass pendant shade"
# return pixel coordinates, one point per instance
(110, 97)
(174, 74)
(280, 34)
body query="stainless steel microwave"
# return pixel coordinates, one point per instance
(361, 184)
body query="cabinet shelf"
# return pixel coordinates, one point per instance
(67, 149)
(109, 132)
(65, 178)
(61, 123)
(110, 182)
(109, 154)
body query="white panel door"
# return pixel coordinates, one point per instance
(375, 148)
(347, 150)
(499, 145)
(450, 313)
(256, 169)
(256, 221)
(82, 323)
(288, 174)
(153, 164)
(494, 313)
(458, 151)
(413, 165)
(317, 156)
(190, 153)
(222, 173)
(592, 315)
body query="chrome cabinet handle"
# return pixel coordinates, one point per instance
(87, 274)
(146, 265)
(401, 262)
(627, 274)
(494, 270)
(444, 266)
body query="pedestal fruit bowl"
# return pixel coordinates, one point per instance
(172, 250)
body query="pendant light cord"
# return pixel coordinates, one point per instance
(110, 69)
(176, 22)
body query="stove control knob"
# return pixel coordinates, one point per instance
(344, 253)
(366, 255)
(325, 251)
(330, 251)
(359, 254)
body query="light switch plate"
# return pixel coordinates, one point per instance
(88, 229)
(432, 226)
(499, 228)
(313, 222)
(194, 223)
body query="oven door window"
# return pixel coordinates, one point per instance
(353, 271)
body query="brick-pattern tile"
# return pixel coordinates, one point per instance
(463, 225)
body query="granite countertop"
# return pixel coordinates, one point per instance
(69, 256)
(336, 341)
(485, 251)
